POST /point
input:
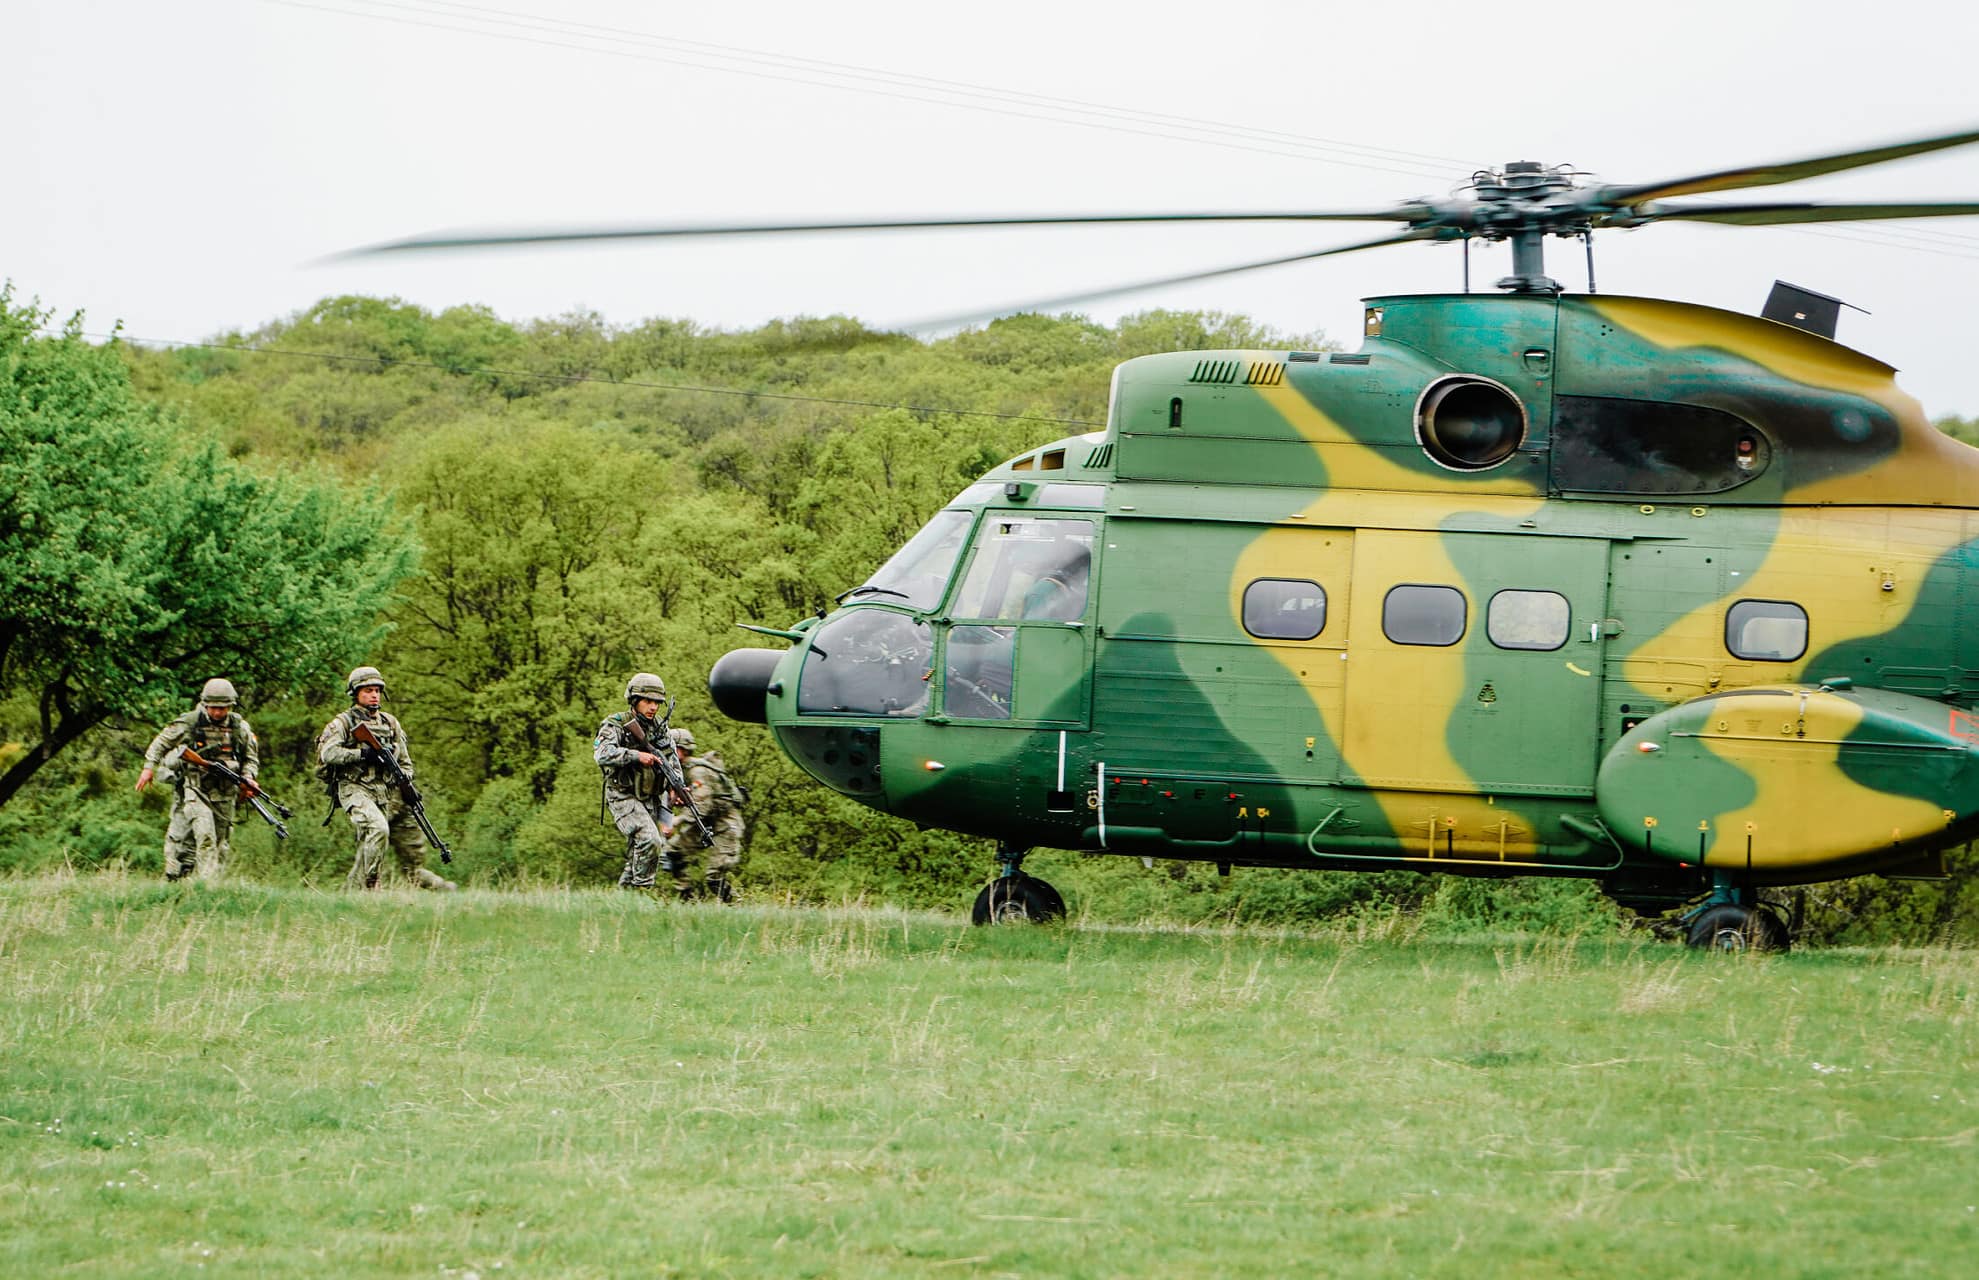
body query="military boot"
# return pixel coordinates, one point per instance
(720, 889)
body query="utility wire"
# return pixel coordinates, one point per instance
(1443, 164)
(390, 362)
(450, 15)
(906, 88)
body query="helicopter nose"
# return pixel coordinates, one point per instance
(740, 683)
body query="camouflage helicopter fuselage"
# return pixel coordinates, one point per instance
(1580, 585)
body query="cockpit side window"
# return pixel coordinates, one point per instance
(1030, 570)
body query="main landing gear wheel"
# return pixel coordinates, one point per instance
(1017, 899)
(1729, 927)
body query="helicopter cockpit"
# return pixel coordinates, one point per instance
(875, 656)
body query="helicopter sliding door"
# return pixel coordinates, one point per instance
(1474, 662)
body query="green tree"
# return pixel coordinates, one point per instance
(133, 567)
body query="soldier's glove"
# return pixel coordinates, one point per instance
(373, 757)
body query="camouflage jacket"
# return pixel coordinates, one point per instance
(231, 742)
(715, 793)
(340, 757)
(617, 748)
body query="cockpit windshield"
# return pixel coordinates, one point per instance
(918, 573)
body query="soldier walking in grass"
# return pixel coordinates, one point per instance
(364, 785)
(719, 799)
(626, 750)
(199, 832)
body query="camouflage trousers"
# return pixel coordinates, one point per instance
(381, 817)
(198, 835)
(639, 821)
(718, 860)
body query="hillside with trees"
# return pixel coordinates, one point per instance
(509, 519)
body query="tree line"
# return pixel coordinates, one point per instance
(509, 519)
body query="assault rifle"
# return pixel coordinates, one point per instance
(250, 791)
(408, 792)
(670, 770)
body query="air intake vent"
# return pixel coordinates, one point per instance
(1342, 357)
(1265, 373)
(1100, 458)
(1216, 371)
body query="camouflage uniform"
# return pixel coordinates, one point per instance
(368, 793)
(199, 832)
(635, 794)
(720, 802)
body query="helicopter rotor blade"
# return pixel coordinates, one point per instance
(1411, 212)
(1766, 175)
(1111, 291)
(1777, 213)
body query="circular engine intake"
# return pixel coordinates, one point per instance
(1468, 423)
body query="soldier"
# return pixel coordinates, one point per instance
(199, 832)
(361, 784)
(635, 786)
(719, 798)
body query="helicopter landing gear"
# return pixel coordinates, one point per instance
(1733, 919)
(1015, 898)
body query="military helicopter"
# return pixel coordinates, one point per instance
(1678, 600)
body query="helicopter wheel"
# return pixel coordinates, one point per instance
(1017, 899)
(1732, 928)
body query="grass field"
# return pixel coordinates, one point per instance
(257, 1081)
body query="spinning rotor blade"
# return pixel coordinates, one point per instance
(572, 235)
(1767, 175)
(1110, 291)
(1759, 215)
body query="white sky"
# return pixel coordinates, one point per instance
(181, 166)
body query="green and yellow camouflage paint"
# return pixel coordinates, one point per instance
(1598, 586)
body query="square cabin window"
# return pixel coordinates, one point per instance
(1528, 619)
(1413, 614)
(1766, 630)
(1284, 609)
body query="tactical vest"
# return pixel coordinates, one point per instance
(388, 733)
(225, 742)
(633, 779)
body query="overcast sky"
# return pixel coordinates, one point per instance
(183, 166)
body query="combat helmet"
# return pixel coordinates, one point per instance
(218, 693)
(364, 676)
(683, 739)
(645, 685)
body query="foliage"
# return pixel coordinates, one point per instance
(136, 561)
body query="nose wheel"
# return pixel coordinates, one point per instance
(1016, 898)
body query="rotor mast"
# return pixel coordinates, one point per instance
(1522, 205)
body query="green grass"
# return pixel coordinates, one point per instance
(257, 1081)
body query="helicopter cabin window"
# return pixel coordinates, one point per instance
(1284, 609)
(1766, 630)
(1416, 614)
(866, 662)
(979, 676)
(1602, 444)
(1528, 619)
(1028, 570)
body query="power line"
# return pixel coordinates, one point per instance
(472, 19)
(879, 83)
(390, 362)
